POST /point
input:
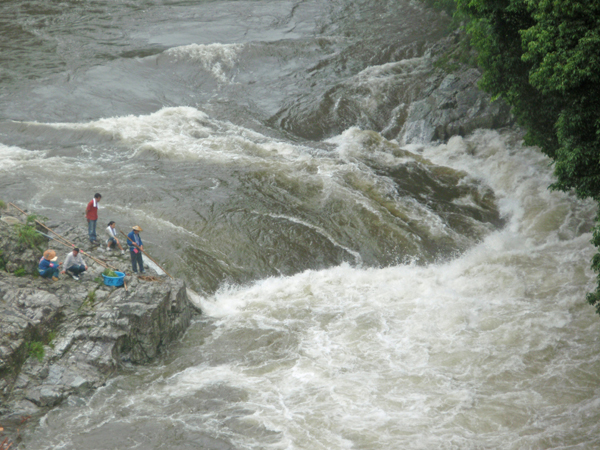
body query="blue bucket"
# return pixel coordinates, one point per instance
(114, 281)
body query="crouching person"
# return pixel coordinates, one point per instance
(48, 267)
(112, 237)
(74, 264)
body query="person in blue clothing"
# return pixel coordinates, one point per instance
(48, 267)
(136, 255)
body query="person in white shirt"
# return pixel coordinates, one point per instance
(74, 264)
(112, 237)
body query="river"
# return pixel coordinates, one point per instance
(359, 291)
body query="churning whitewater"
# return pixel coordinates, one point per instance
(488, 350)
(366, 282)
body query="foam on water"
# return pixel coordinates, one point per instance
(494, 349)
(12, 158)
(214, 58)
(347, 172)
(185, 133)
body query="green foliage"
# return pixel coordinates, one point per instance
(50, 338)
(28, 236)
(32, 218)
(543, 58)
(36, 349)
(109, 273)
(2, 204)
(495, 30)
(20, 272)
(99, 280)
(2, 262)
(90, 300)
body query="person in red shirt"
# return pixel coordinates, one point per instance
(91, 214)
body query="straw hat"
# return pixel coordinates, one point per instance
(136, 228)
(50, 255)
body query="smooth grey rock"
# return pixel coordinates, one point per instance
(50, 396)
(25, 408)
(22, 381)
(455, 107)
(101, 295)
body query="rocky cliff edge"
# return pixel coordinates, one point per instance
(65, 337)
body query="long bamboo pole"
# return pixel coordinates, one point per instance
(138, 247)
(60, 239)
(64, 241)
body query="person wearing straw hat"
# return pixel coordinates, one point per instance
(136, 255)
(48, 267)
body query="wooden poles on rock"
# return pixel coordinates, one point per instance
(64, 241)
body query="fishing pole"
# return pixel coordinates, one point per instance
(104, 265)
(64, 241)
(149, 257)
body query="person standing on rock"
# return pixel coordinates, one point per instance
(48, 267)
(74, 264)
(112, 237)
(136, 255)
(91, 214)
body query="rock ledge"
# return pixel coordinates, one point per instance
(69, 337)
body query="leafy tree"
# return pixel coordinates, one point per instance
(543, 58)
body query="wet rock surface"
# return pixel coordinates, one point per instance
(415, 99)
(65, 337)
(456, 107)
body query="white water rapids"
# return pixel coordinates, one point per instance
(252, 141)
(494, 349)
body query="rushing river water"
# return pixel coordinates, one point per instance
(358, 293)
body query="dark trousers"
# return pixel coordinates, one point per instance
(136, 259)
(49, 272)
(76, 270)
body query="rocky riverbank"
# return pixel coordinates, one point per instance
(65, 337)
